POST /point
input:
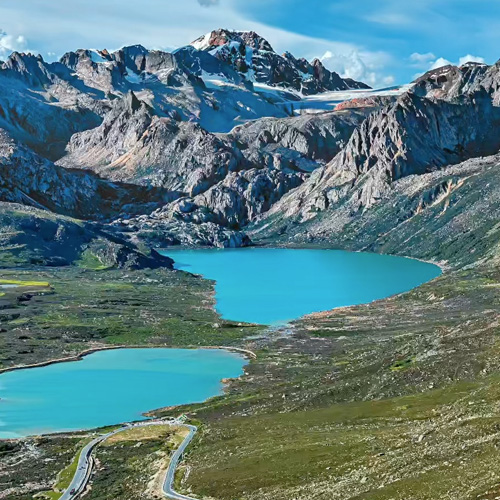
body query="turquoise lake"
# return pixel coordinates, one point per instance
(273, 286)
(109, 387)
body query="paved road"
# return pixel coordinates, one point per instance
(169, 478)
(84, 468)
(85, 462)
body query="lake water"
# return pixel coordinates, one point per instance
(273, 286)
(109, 387)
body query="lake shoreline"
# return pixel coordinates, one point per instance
(442, 264)
(218, 375)
(328, 312)
(246, 353)
(184, 262)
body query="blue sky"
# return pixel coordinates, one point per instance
(378, 41)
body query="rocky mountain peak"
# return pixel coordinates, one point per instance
(255, 41)
(134, 50)
(252, 56)
(89, 56)
(27, 66)
(220, 37)
(132, 57)
(452, 83)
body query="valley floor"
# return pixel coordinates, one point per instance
(395, 399)
(61, 312)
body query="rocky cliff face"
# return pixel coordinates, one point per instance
(156, 127)
(279, 154)
(450, 82)
(235, 176)
(404, 161)
(135, 145)
(42, 110)
(29, 179)
(449, 215)
(412, 136)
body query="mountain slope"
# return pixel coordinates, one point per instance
(27, 178)
(163, 123)
(236, 176)
(134, 144)
(206, 154)
(30, 236)
(428, 129)
(42, 110)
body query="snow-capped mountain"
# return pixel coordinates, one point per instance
(183, 147)
(219, 137)
(253, 57)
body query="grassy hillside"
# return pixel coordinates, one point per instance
(77, 309)
(396, 399)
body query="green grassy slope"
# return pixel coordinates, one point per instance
(396, 399)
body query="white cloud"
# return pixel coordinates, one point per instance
(422, 60)
(439, 63)
(388, 80)
(367, 67)
(10, 43)
(470, 58)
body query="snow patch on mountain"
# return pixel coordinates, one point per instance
(96, 57)
(328, 101)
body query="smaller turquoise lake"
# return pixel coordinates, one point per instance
(109, 387)
(275, 285)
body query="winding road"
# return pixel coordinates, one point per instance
(86, 462)
(169, 478)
